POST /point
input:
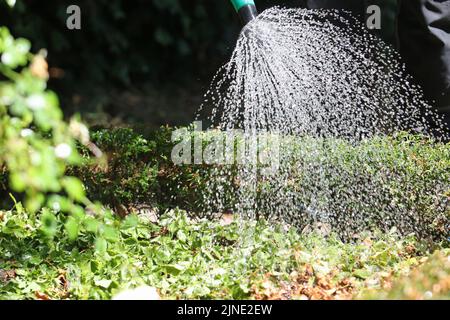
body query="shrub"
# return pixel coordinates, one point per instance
(138, 171)
(129, 173)
(37, 146)
(380, 183)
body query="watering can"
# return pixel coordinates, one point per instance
(246, 10)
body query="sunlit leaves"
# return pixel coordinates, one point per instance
(11, 3)
(72, 227)
(74, 188)
(13, 52)
(36, 145)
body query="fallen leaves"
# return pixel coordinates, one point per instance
(304, 286)
(7, 275)
(64, 284)
(60, 291)
(41, 296)
(120, 209)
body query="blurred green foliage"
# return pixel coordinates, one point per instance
(138, 40)
(37, 146)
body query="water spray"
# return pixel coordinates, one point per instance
(313, 86)
(246, 10)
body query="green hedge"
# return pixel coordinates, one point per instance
(381, 183)
(385, 182)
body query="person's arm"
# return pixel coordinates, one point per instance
(424, 35)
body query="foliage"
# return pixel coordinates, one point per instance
(410, 173)
(129, 173)
(138, 170)
(36, 144)
(59, 244)
(192, 258)
(401, 180)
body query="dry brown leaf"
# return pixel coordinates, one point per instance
(39, 67)
(56, 73)
(120, 209)
(323, 282)
(368, 242)
(41, 296)
(63, 280)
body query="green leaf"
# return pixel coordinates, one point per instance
(131, 221)
(74, 188)
(181, 236)
(110, 233)
(92, 225)
(362, 273)
(34, 203)
(72, 227)
(101, 245)
(174, 269)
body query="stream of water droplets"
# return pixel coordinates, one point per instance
(318, 86)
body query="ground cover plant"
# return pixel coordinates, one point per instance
(188, 258)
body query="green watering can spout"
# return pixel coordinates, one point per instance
(246, 10)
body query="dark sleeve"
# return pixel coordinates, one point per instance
(424, 35)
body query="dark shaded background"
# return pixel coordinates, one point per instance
(146, 61)
(132, 59)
